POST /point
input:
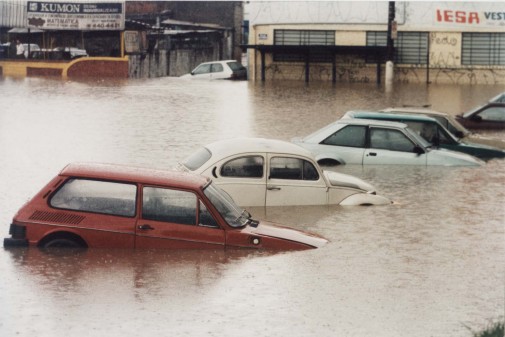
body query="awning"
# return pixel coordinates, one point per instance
(25, 30)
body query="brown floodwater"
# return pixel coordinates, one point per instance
(431, 264)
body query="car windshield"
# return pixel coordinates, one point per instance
(232, 214)
(471, 112)
(498, 99)
(197, 159)
(418, 139)
(235, 66)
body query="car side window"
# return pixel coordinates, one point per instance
(217, 68)
(95, 196)
(174, 206)
(389, 139)
(205, 219)
(243, 167)
(292, 168)
(202, 69)
(351, 135)
(493, 114)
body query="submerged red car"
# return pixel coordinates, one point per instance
(110, 206)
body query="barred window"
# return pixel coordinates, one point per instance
(410, 47)
(288, 37)
(483, 49)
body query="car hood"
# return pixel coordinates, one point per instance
(445, 157)
(344, 180)
(269, 229)
(480, 139)
(484, 150)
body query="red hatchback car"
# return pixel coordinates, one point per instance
(109, 206)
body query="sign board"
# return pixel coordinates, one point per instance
(262, 36)
(135, 42)
(75, 15)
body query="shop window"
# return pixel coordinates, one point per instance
(483, 49)
(410, 47)
(288, 37)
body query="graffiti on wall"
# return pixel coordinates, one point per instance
(450, 76)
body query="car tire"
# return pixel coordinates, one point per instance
(62, 243)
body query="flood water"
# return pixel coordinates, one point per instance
(431, 264)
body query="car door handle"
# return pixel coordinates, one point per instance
(145, 227)
(273, 188)
(373, 154)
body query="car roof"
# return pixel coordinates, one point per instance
(413, 110)
(399, 116)
(228, 147)
(370, 122)
(134, 175)
(218, 61)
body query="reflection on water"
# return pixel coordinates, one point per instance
(429, 264)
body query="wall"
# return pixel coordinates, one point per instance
(445, 21)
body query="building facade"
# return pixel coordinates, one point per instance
(434, 42)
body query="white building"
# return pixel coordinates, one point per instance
(439, 42)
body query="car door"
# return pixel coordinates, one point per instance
(203, 71)
(176, 219)
(294, 181)
(492, 117)
(243, 177)
(347, 143)
(217, 71)
(391, 146)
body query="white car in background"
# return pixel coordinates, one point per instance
(267, 172)
(374, 142)
(218, 70)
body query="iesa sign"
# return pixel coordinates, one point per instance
(76, 16)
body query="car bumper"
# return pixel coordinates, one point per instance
(12, 242)
(18, 237)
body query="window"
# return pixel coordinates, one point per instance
(292, 168)
(203, 69)
(205, 219)
(389, 139)
(161, 204)
(96, 196)
(493, 114)
(243, 167)
(351, 135)
(217, 68)
(410, 47)
(304, 37)
(483, 49)
(288, 37)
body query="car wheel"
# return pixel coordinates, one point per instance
(62, 243)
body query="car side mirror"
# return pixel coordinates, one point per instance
(476, 118)
(419, 150)
(459, 134)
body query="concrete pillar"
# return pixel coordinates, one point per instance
(389, 72)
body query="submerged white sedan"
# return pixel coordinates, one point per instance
(374, 142)
(267, 172)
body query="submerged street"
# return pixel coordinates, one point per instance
(430, 264)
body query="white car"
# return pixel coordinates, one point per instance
(218, 70)
(267, 172)
(373, 142)
(73, 51)
(451, 124)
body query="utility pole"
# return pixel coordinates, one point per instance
(390, 43)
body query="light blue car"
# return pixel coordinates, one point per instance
(373, 142)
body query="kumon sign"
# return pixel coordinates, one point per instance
(76, 15)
